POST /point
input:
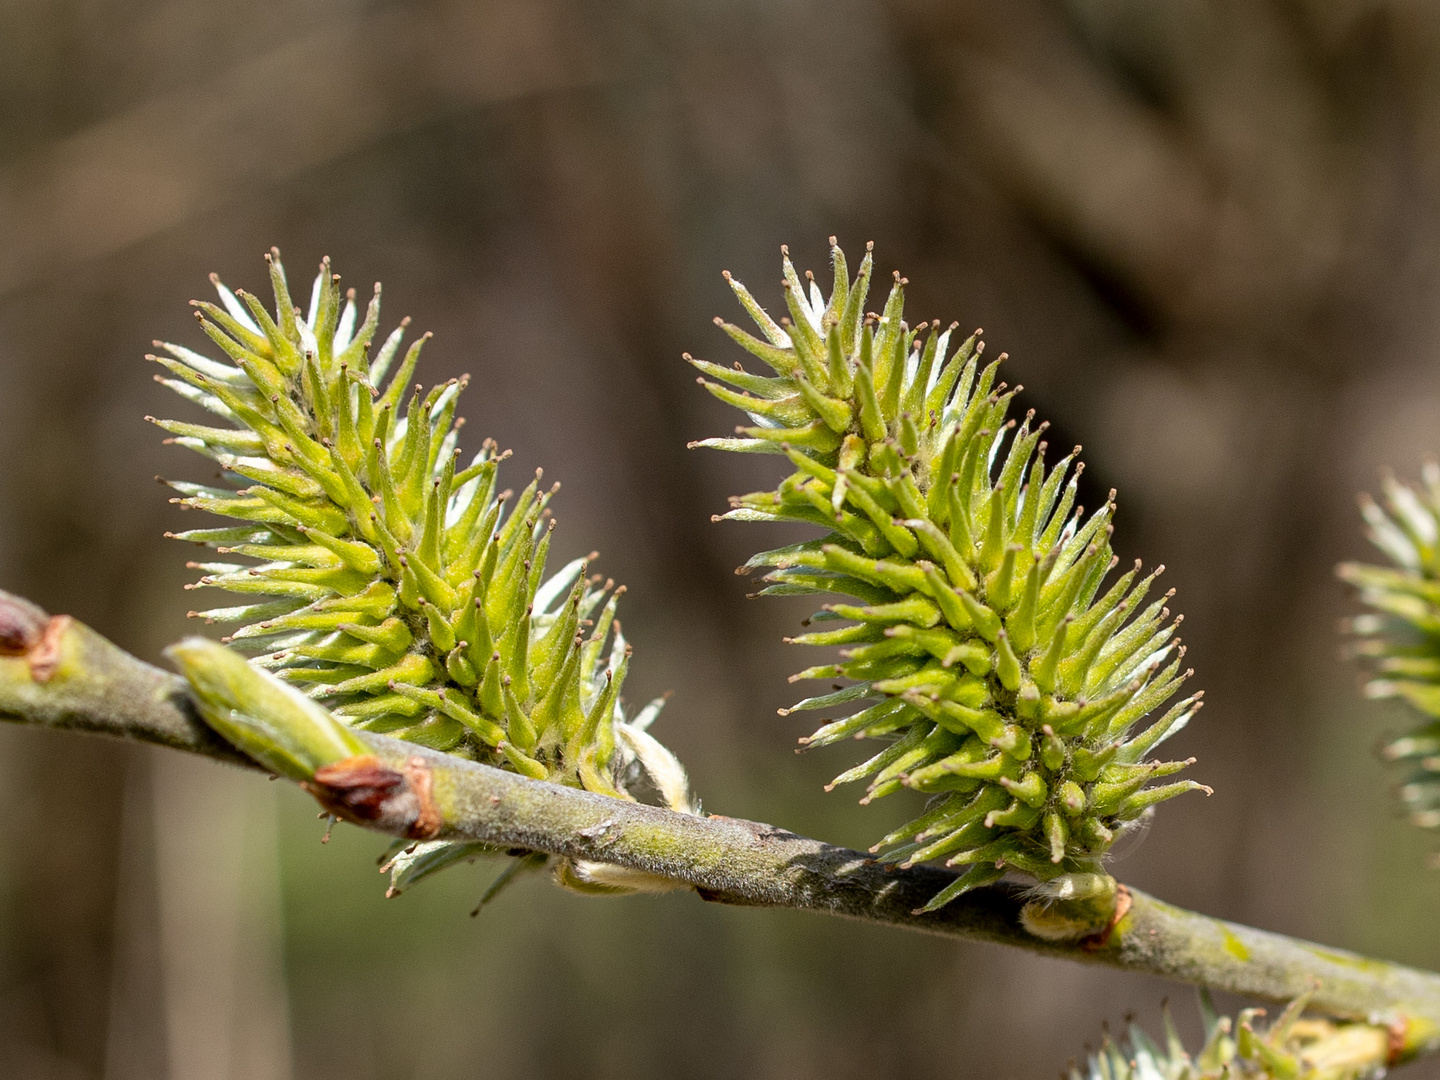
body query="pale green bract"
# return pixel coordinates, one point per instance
(974, 634)
(383, 577)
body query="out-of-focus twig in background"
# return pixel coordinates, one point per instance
(1207, 234)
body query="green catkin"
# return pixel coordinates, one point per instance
(974, 642)
(1399, 639)
(1292, 1047)
(397, 589)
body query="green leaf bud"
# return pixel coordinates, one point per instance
(276, 725)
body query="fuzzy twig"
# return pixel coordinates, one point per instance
(56, 672)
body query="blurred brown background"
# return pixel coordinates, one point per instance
(1208, 234)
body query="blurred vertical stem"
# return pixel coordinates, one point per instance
(56, 672)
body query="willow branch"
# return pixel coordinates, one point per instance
(57, 673)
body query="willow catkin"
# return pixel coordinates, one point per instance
(981, 637)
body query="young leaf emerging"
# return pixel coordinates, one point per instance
(381, 575)
(981, 637)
